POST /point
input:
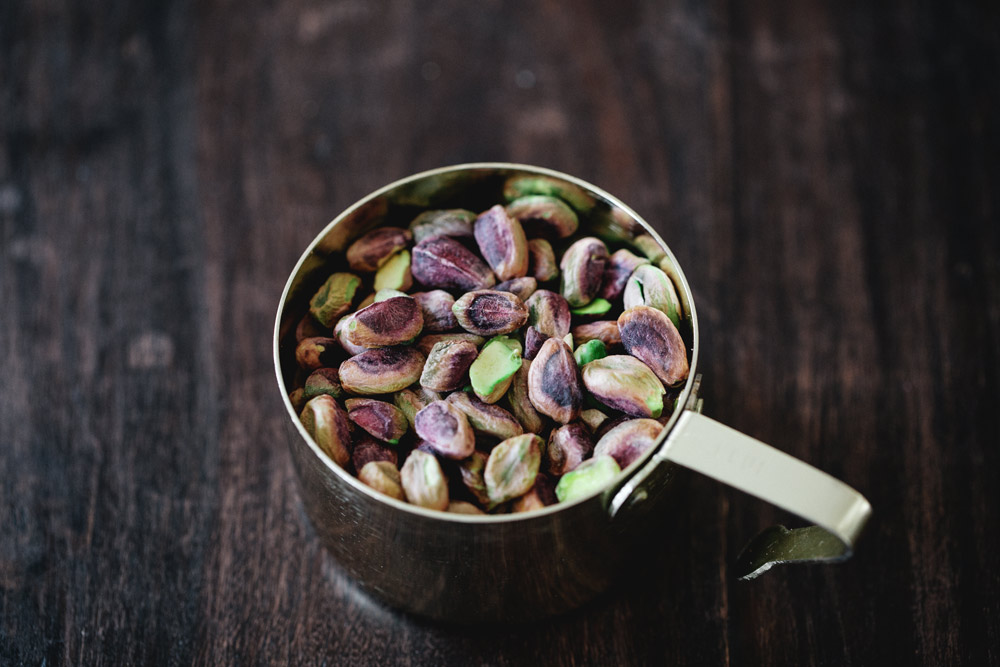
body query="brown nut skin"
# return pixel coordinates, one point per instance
(567, 448)
(383, 370)
(554, 386)
(542, 494)
(548, 312)
(582, 268)
(512, 467)
(447, 365)
(522, 287)
(308, 327)
(502, 243)
(298, 399)
(650, 336)
(444, 263)
(323, 381)
(486, 418)
(520, 404)
(384, 477)
(381, 420)
(541, 215)
(436, 309)
(456, 222)
(620, 266)
(368, 449)
(326, 423)
(533, 341)
(605, 331)
(627, 441)
(412, 401)
(489, 312)
(463, 507)
(423, 481)
(624, 383)
(593, 418)
(542, 265)
(445, 428)
(340, 332)
(375, 248)
(384, 323)
(427, 342)
(318, 352)
(471, 470)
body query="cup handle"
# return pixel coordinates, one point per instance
(720, 452)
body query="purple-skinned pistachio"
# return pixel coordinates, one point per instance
(582, 268)
(381, 420)
(502, 243)
(568, 447)
(323, 381)
(554, 382)
(650, 336)
(650, 286)
(629, 440)
(624, 383)
(444, 263)
(605, 331)
(533, 341)
(522, 287)
(384, 323)
(427, 342)
(548, 313)
(520, 403)
(326, 423)
(541, 495)
(445, 428)
(486, 418)
(447, 365)
(620, 266)
(452, 222)
(589, 477)
(374, 249)
(489, 312)
(384, 477)
(471, 470)
(542, 263)
(512, 467)
(521, 185)
(381, 370)
(334, 298)
(412, 401)
(318, 352)
(541, 215)
(435, 306)
(423, 481)
(368, 449)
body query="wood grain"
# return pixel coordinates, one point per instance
(826, 174)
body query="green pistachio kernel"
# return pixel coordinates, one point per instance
(598, 306)
(590, 476)
(492, 371)
(592, 350)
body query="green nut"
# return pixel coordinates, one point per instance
(381, 420)
(485, 418)
(535, 184)
(383, 370)
(426, 343)
(323, 381)
(512, 467)
(502, 243)
(454, 222)
(650, 336)
(605, 331)
(624, 383)
(334, 298)
(549, 313)
(520, 404)
(649, 286)
(447, 365)
(592, 350)
(492, 371)
(582, 268)
(435, 306)
(614, 225)
(567, 448)
(489, 312)
(326, 423)
(446, 430)
(522, 287)
(395, 273)
(471, 470)
(649, 247)
(384, 478)
(410, 402)
(542, 260)
(424, 482)
(595, 308)
(374, 249)
(554, 382)
(391, 322)
(589, 477)
(619, 268)
(318, 352)
(629, 440)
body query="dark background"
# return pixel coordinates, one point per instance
(825, 173)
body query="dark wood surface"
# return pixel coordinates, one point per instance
(827, 175)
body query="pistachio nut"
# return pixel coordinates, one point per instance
(593, 418)
(318, 352)
(520, 404)
(471, 470)
(502, 243)
(620, 266)
(395, 273)
(447, 365)
(375, 248)
(582, 268)
(594, 309)
(650, 336)
(535, 184)
(486, 418)
(554, 382)
(385, 294)
(512, 467)
(609, 424)
(384, 323)
(605, 331)
(340, 331)
(453, 222)
(463, 507)
(423, 481)
(381, 420)
(589, 477)
(542, 260)
(649, 247)
(326, 423)
(489, 312)
(367, 301)
(442, 262)
(384, 478)
(382, 370)
(368, 449)
(436, 309)
(411, 401)
(541, 495)
(627, 441)
(522, 287)
(568, 446)
(298, 399)
(310, 328)
(548, 313)
(624, 383)
(541, 215)
(446, 429)
(614, 225)
(592, 350)
(492, 371)
(334, 298)
(649, 286)
(533, 341)
(426, 343)
(323, 381)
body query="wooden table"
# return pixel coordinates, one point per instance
(827, 175)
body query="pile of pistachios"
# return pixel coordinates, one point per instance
(481, 373)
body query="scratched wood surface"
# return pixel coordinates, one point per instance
(825, 172)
